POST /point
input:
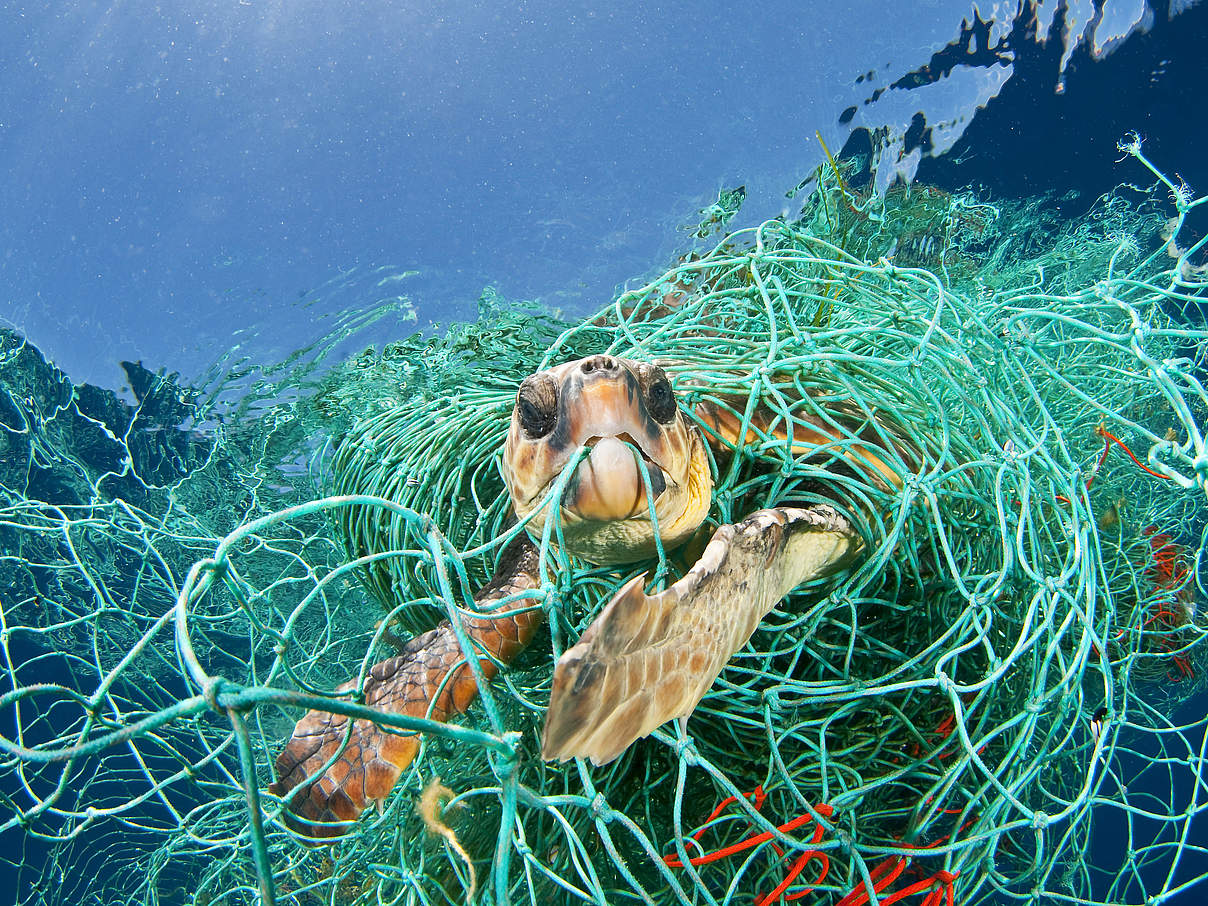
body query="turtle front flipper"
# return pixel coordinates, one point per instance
(429, 678)
(648, 659)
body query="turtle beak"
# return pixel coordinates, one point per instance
(608, 483)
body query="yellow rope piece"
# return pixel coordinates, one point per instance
(430, 805)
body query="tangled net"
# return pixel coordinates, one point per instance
(986, 708)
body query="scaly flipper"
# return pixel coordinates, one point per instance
(649, 659)
(414, 683)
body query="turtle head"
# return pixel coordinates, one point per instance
(626, 414)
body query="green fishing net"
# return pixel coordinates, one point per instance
(996, 703)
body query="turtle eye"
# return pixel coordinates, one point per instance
(660, 400)
(536, 406)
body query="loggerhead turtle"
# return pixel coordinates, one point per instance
(646, 659)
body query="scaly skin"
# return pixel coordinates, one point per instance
(646, 659)
(606, 520)
(410, 683)
(601, 402)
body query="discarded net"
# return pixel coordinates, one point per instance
(997, 701)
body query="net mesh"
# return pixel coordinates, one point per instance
(997, 703)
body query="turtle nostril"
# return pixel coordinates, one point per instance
(599, 362)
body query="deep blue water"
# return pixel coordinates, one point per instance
(171, 178)
(177, 180)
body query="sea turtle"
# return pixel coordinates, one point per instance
(646, 659)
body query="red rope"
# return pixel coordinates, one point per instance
(759, 796)
(1103, 432)
(750, 842)
(797, 868)
(859, 896)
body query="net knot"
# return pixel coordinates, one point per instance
(685, 748)
(1040, 820)
(1200, 464)
(212, 688)
(601, 809)
(503, 763)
